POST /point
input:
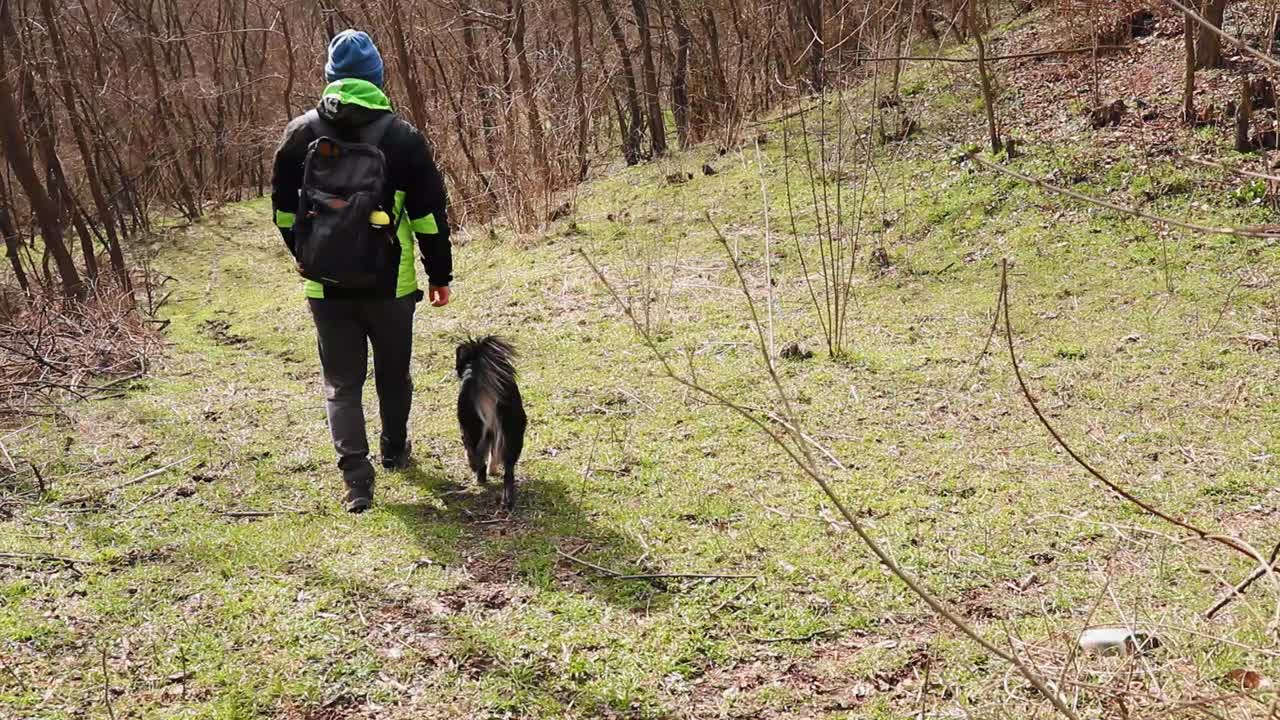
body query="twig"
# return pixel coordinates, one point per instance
(991, 333)
(615, 575)
(106, 685)
(1243, 585)
(1035, 408)
(1226, 304)
(1235, 232)
(43, 557)
(17, 678)
(924, 687)
(259, 513)
(141, 478)
(733, 598)
(796, 638)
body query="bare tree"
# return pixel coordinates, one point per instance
(657, 126)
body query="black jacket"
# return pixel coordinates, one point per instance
(411, 168)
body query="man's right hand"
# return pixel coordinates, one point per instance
(439, 295)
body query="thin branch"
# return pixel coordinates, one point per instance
(615, 575)
(1236, 232)
(1265, 58)
(1243, 585)
(797, 638)
(1233, 543)
(991, 333)
(44, 557)
(106, 685)
(109, 491)
(805, 463)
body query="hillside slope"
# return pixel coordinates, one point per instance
(231, 586)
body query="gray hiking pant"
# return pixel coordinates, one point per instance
(345, 329)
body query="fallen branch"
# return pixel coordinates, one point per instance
(259, 513)
(1235, 232)
(80, 499)
(615, 575)
(43, 557)
(796, 638)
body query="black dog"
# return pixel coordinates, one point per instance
(490, 411)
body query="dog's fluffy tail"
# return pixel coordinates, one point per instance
(492, 365)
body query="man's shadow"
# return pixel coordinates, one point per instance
(547, 542)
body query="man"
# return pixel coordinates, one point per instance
(349, 319)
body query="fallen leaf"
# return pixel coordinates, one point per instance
(1247, 679)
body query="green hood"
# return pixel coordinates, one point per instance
(351, 91)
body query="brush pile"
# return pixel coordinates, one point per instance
(52, 350)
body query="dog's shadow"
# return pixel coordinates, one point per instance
(545, 542)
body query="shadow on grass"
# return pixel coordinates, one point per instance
(525, 545)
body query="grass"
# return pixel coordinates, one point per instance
(432, 605)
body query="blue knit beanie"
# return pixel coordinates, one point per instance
(352, 54)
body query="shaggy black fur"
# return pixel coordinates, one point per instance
(490, 411)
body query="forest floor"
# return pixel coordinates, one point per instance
(231, 585)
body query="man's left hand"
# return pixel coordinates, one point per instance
(439, 295)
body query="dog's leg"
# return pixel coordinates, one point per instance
(475, 436)
(509, 486)
(514, 423)
(474, 439)
(495, 458)
(478, 458)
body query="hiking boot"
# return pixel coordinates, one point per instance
(397, 460)
(359, 482)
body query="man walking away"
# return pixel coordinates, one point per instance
(353, 186)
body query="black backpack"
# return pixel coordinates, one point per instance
(343, 184)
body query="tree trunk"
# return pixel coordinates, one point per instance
(1189, 77)
(11, 249)
(1208, 44)
(988, 95)
(46, 210)
(720, 96)
(579, 91)
(94, 180)
(487, 96)
(657, 125)
(631, 138)
(537, 136)
(410, 77)
(813, 23)
(680, 74)
(290, 67)
(1243, 115)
